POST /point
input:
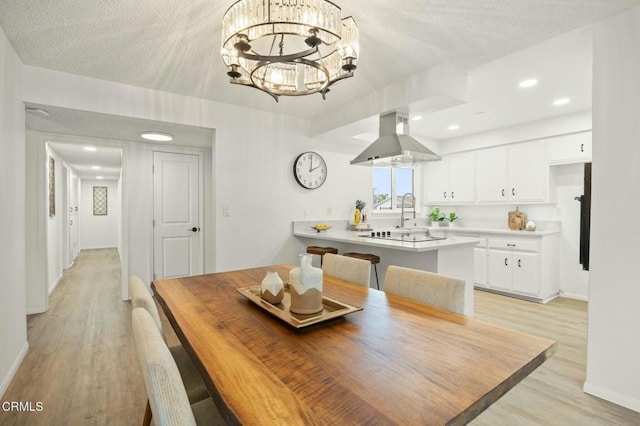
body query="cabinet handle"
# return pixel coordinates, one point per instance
(444, 194)
(452, 195)
(505, 262)
(511, 245)
(503, 192)
(519, 263)
(581, 147)
(513, 191)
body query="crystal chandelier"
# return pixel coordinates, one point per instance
(289, 47)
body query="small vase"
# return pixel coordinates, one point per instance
(272, 288)
(452, 224)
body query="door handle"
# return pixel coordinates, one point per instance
(513, 191)
(194, 229)
(452, 195)
(581, 147)
(503, 192)
(519, 266)
(505, 262)
(444, 194)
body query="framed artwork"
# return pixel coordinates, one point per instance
(100, 201)
(52, 187)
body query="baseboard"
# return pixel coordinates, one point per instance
(611, 396)
(99, 247)
(14, 369)
(55, 284)
(575, 296)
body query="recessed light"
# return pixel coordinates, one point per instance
(156, 136)
(99, 177)
(90, 148)
(95, 167)
(453, 127)
(561, 101)
(528, 83)
(416, 118)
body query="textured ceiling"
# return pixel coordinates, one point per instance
(173, 45)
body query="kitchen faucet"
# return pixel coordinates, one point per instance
(413, 204)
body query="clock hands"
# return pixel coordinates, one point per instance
(311, 163)
(316, 167)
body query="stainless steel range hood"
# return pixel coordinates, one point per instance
(394, 147)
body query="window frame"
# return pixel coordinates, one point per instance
(417, 174)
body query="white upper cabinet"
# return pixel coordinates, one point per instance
(568, 149)
(492, 175)
(516, 173)
(451, 180)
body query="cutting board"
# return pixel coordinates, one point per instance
(517, 220)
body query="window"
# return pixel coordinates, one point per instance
(390, 184)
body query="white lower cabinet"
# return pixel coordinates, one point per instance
(514, 263)
(515, 272)
(480, 266)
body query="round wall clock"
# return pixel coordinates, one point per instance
(310, 170)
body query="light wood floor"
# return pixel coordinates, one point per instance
(81, 362)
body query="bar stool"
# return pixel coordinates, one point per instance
(371, 258)
(321, 251)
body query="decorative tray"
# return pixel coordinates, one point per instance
(332, 308)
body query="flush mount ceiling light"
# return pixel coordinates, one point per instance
(416, 118)
(289, 48)
(99, 177)
(528, 83)
(156, 136)
(89, 148)
(95, 167)
(561, 101)
(453, 127)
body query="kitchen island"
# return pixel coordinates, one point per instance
(452, 256)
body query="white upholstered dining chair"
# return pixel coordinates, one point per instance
(168, 402)
(142, 298)
(443, 292)
(350, 269)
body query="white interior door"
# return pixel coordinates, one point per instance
(176, 206)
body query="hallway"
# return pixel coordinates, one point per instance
(80, 363)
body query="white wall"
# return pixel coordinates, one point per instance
(36, 217)
(252, 168)
(613, 354)
(55, 240)
(569, 183)
(13, 329)
(99, 231)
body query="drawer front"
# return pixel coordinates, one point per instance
(512, 244)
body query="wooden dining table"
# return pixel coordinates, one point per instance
(394, 362)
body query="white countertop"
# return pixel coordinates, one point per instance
(501, 231)
(353, 237)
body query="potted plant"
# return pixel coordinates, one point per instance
(452, 218)
(436, 216)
